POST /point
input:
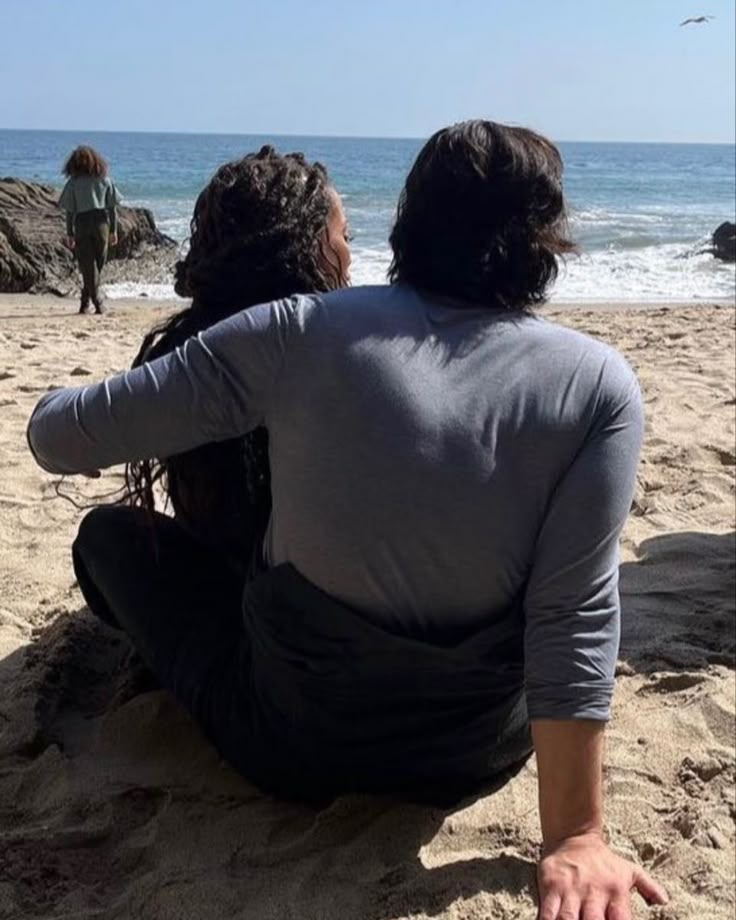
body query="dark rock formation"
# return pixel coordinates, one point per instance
(724, 242)
(33, 255)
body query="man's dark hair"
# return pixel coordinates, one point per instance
(482, 217)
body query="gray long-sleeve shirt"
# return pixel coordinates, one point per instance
(430, 464)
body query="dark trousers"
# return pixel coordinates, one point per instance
(182, 607)
(179, 604)
(91, 234)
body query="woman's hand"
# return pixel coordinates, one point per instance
(580, 878)
(70, 242)
(113, 240)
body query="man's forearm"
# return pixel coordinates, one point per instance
(570, 764)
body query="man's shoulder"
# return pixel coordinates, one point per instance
(347, 308)
(577, 346)
(361, 296)
(603, 371)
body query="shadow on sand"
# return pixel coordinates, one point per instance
(679, 603)
(110, 797)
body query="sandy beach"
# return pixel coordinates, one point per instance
(113, 806)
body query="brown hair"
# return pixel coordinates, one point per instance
(482, 217)
(85, 161)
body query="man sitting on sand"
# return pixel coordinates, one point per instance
(450, 475)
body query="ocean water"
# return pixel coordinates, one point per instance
(640, 212)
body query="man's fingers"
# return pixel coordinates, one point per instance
(594, 909)
(569, 909)
(619, 909)
(649, 889)
(549, 906)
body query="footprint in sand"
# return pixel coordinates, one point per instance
(703, 769)
(725, 457)
(46, 862)
(80, 372)
(686, 821)
(28, 388)
(671, 683)
(653, 855)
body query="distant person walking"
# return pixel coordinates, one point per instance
(90, 200)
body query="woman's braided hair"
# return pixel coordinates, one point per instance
(258, 234)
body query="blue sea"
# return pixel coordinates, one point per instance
(640, 212)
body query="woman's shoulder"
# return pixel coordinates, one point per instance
(66, 196)
(96, 182)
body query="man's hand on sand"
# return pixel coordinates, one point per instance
(580, 878)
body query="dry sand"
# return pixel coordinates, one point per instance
(115, 807)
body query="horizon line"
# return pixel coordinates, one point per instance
(354, 137)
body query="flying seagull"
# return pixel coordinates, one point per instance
(697, 20)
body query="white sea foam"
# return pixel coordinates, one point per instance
(668, 272)
(639, 254)
(370, 265)
(664, 273)
(136, 289)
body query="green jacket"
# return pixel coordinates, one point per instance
(89, 193)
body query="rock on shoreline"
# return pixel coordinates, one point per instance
(724, 242)
(35, 260)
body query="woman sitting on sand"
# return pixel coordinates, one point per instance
(90, 200)
(265, 226)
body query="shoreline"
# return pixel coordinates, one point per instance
(69, 305)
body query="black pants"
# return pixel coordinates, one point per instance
(181, 605)
(91, 234)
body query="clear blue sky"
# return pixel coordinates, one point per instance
(575, 69)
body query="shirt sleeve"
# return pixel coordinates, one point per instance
(218, 385)
(67, 204)
(66, 199)
(112, 200)
(572, 607)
